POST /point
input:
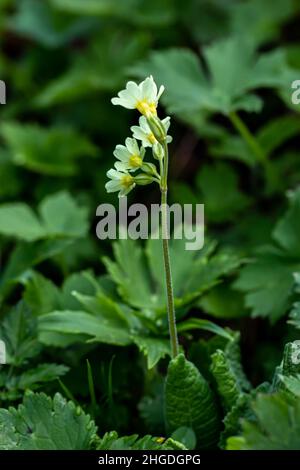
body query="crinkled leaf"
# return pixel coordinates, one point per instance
(227, 384)
(189, 402)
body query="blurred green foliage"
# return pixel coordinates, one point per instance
(66, 297)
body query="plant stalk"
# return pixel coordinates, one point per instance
(166, 256)
(254, 145)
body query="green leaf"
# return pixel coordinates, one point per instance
(77, 323)
(206, 325)
(36, 20)
(100, 69)
(294, 318)
(18, 220)
(226, 381)
(42, 423)
(33, 378)
(153, 348)
(240, 410)
(222, 301)
(158, 14)
(261, 19)
(142, 284)
(52, 151)
(27, 255)
(268, 281)
(189, 402)
(228, 88)
(60, 216)
(287, 230)
(220, 205)
(270, 137)
(41, 294)
(292, 384)
(111, 441)
(232, 352)
(277, 425)
(18, 331)
(186, 436)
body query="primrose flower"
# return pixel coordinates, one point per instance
(122, 182)
(144, 133)
(143, 97)
(130, 155)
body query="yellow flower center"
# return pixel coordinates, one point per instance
(151, 138)
(146, 108)
(126, 181)
(135, 161)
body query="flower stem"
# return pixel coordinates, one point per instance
(253, 144)
(166, 256)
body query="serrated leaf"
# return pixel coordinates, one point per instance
(111, 441)
(228, 88)
(41, 294)
(153, 348)
(143, 286)
(33, 378)
(42, 423)
(60, 216)
(19, 332)
(18, 220)
(277, 425)
(268, 281)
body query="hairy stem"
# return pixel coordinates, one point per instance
(166, 256)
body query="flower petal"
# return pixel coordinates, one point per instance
(160, 92)
(133, 90)
(112, 186)
(122, 166)
(149, 89)
(121, 153)
(113, 174)
(132, 146)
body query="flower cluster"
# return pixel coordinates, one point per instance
(151, 132)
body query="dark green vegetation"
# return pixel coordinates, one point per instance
(84, 322)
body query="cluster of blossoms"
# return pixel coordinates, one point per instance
(151, 132)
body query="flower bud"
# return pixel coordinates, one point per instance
(149, 168)
(157, 128)
(143, 179)
(158, 151)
